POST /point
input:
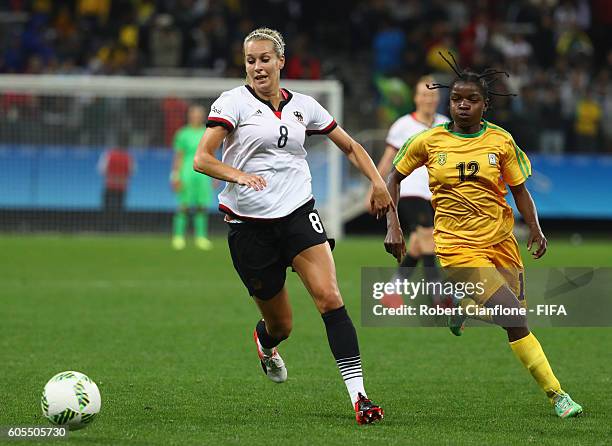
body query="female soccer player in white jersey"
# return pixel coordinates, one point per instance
(414, 206)
(269, 206)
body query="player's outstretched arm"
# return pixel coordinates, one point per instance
(205, 161)
(394, 241)
(527, 208)
(383, 167)
(380, 199)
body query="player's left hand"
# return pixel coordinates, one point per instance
(395, 244)
(538, 241)
(380, 201)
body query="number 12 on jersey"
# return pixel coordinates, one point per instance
(472, 166)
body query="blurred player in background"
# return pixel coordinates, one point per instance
(469, 161)
(117, 166)
(269, 207)
(193, 191)
(414, 207)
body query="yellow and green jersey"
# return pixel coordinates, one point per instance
(468, 174)
(186, 141)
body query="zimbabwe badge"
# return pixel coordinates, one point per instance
(442, 158)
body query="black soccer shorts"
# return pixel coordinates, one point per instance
(413, 212)
(262, 250)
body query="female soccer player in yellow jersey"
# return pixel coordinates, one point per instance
(470, 161)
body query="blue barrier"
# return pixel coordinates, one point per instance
(48, 177)
(67, 178)
(58, 177)
(571, 186)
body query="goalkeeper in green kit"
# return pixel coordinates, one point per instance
(193, 190)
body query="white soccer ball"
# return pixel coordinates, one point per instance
(70, 399)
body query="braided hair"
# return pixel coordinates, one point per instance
(483, 80)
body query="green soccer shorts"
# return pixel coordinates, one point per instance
(196, 190)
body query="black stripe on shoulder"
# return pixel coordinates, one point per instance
(324, 131)
(216, 122)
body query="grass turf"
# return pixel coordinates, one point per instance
(167, 337)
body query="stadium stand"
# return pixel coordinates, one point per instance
(557, 51)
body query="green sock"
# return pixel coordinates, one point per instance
(179, 224)
(200, 224)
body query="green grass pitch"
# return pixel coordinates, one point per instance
(167, 337)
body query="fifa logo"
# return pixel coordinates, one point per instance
(442, 158)
(298, 115)
(492, 159)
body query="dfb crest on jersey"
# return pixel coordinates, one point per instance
(298, 115)
(442, 158)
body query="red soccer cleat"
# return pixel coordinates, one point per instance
(366, 411)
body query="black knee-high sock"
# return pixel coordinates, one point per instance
(266, 341)
(342, 339)
(431, 269)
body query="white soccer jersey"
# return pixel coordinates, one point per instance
(268, 143)
(417, 183)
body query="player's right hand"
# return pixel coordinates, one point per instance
(395, 244)
(380, 201)
(176, 185)
(255, 182)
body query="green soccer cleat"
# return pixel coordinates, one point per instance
(565, 407)
(203, 243)
(178, 243)
(456, 324)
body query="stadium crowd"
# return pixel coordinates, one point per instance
(556, 52)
